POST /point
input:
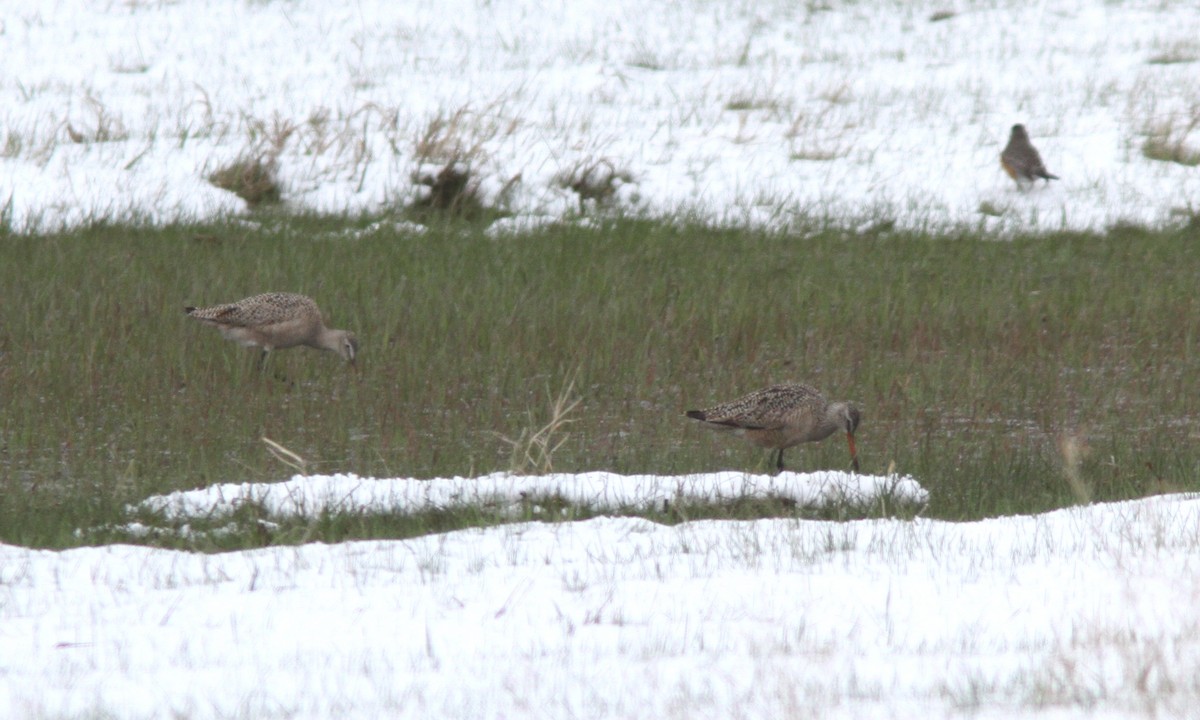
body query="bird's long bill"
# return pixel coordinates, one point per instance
(853, 452)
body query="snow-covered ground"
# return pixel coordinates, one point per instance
(741, 111)
(737, 111)
(1085, 612)
(310, 496)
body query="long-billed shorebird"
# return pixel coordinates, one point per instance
(782, 416)
(1020, 159)
(274, 321)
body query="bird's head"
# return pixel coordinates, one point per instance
(348, 348)
(851, 417)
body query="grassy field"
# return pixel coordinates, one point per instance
(1006, 376)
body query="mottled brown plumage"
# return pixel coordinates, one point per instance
(1020, 159)
(277, 320)
(782, 416)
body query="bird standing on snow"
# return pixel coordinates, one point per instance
(276, 320)
(782, 416)
(1020, 159)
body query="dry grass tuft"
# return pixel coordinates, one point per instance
(252, 178)
(447, 155)
(1169, 141)
(254, 175)
(6, 228)
(285, 456)
(1073, 449)
(533, 450)
(99, 126)
(816, 154)
(452, 190)
(455, 191)
(12, 146)
(646, 58)
(1178, 53)
(273, 136)
(749, 101)
(593, 179)
(448, 139)
(990, 209)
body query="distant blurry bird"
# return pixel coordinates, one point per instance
(276, 320)
(1020, 159)
(782, 416)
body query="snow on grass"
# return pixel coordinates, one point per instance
(311, 496)
(742, 112)
(1088, 611)
(737, 112)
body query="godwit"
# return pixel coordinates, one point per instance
(1020, 159)
(782, 416)
(276, 320)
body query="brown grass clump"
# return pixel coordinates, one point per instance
(100, 126)
(815, 154)
(253, 179)
(447, 155)
(593, 179)
(1178, 53)
(452, 189)
(1168, 141)
(1167, 149)
(254, 175)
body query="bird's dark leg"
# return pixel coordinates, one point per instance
(779, 462)
(262, 367)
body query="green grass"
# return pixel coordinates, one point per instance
(972, 358)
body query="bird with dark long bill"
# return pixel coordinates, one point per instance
(783, 416)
